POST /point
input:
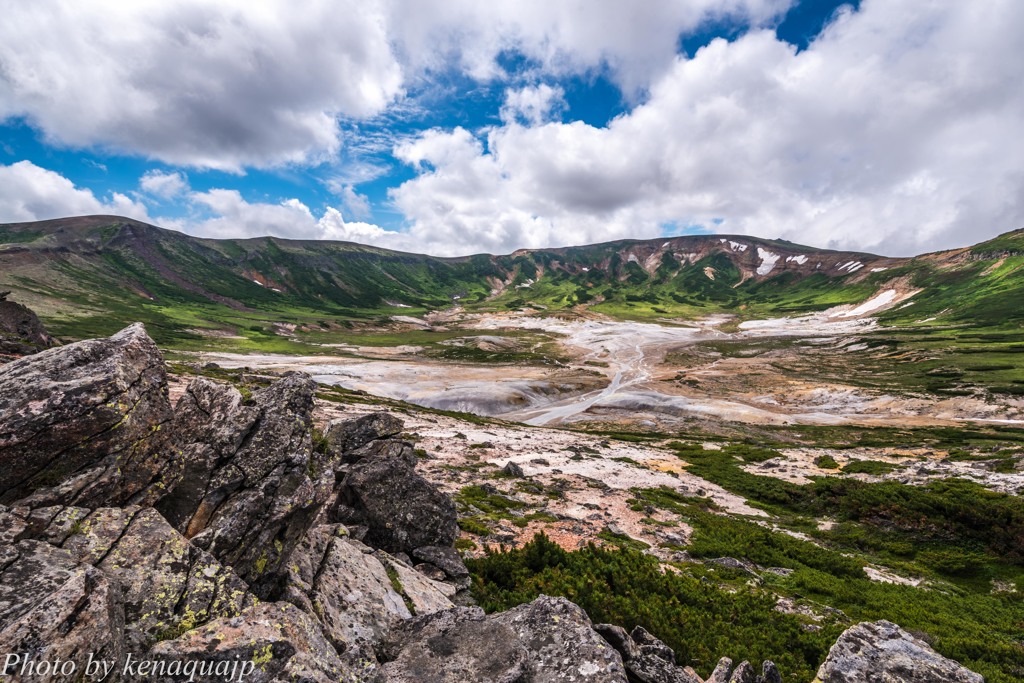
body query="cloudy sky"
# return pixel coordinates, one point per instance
(457, 126)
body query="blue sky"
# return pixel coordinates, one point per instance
(450, 128)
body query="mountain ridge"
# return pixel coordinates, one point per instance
(86, 275)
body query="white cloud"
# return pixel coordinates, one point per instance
(635, 40)
(533, 104)
(222, 85)
(234, 217)
(30, 193)
(237, 84)
(164, 185)
(900, 129)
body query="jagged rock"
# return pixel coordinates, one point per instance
(210, 423)
(345, 436)
(877, 652)
(454, 646)
(346, 588)
(744, 673)
(562, 643)
(447, 559)
(259, 494)
(167, 585)
(646, 659)
(52, 607)
(21, 333)
(276, 642)
(401, 510)
(77, 420)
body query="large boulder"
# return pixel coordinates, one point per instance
(454, 646)
(401, 510)
(77, 420)
(53, 608)
(562, 642)
(21, 333)
(882, 652)
(345, 436)
(251, 485)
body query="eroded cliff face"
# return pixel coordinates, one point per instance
(21, 332)
(219, 540)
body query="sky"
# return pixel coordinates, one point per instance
(452, 127)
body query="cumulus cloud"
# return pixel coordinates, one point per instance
(220, 85)
(236, 84)
(31, 193)
(634, 41)
(163, 185)
(899, 129)
(231, 216)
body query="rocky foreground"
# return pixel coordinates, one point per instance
(220, 539)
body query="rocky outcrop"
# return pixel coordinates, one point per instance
(76, 420)
(562, 643)
(21, 333)
(251, 485)
(648, 660)
(882, 652)
(165, 585)
(357, 595)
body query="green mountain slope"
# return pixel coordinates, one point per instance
(88, 275)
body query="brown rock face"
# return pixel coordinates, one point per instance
(71, 417)
(21, 333)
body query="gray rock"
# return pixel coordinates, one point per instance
(562, 643)
(52, 607)
(721, 672)
(348, 590)
(277, 641)
(877, 652)
(401, 510)
(166, 584)
(345, 436)
(455, 646)
(445, 558)
(77, 422)
(258, 494)
(210, 423)
(422, 595)
(619, 639)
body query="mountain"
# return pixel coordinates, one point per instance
(88, 275)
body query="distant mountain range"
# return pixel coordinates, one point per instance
(89, 275)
